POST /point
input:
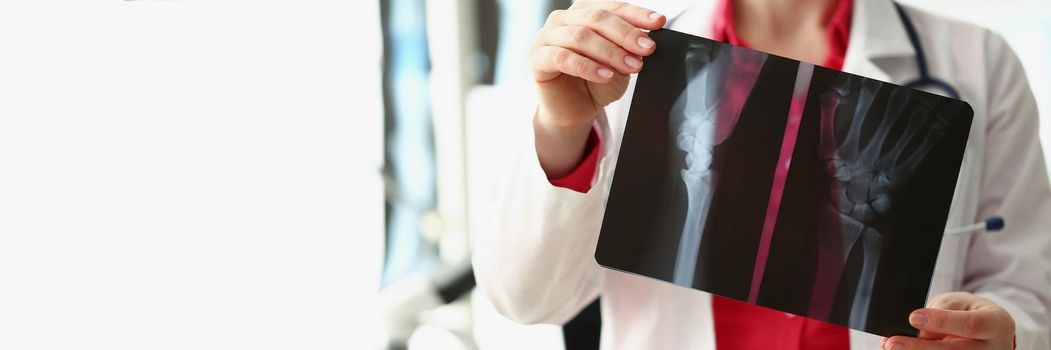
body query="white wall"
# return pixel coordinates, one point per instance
(189, 174)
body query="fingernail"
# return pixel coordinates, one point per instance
(604, 73)
(645, 42)
(654, 15)
(918, 320)
(632, 62)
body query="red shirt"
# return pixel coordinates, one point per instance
(739, 325)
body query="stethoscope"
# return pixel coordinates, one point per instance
(925, 79)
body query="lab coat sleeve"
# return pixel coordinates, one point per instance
(536, 262)
(1010, 267)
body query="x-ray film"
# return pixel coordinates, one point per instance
(783, 184)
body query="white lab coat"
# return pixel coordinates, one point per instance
(536, 262)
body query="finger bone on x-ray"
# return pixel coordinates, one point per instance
(866, 167)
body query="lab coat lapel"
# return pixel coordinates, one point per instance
(879, 46)
(694, 20)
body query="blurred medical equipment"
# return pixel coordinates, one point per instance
(411, 305)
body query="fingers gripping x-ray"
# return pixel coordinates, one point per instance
(867, 161)
(706, 112)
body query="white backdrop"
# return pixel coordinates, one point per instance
(189, 174)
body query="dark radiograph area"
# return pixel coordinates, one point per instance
(783, 184)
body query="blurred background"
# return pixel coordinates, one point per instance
(282, 174)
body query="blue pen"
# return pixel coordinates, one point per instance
(991, 224)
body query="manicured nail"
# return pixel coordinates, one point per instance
(918, 319)
(604, 73)
(632, 62)
(645, 42)
(654, 15)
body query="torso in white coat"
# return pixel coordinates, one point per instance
(536, 264)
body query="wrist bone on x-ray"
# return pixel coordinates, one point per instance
(718, 84)
(866, 170)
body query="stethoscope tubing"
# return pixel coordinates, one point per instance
(925, 78)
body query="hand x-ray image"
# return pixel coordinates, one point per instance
(780, 183)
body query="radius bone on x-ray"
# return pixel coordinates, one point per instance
(705, 118)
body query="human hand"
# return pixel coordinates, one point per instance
(958, 321)
(583, 55)
(581, 60)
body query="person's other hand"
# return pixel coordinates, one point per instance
(958, 321)
(583, 55)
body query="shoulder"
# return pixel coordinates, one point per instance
(962, 39)
(927, 20)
